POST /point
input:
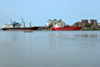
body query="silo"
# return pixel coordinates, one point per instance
(49, 23)
(61, 23)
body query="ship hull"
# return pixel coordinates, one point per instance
(21, 29)
(66, 29)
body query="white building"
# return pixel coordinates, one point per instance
(99, 24)
(49, 23)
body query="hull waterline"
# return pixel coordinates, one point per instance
(67, 29)
(20, 29)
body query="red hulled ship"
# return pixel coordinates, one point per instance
(58, 27)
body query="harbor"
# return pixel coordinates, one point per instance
(53, 25)
(49, 33)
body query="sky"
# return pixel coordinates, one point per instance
(40, 11)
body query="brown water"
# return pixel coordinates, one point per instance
(50, 49)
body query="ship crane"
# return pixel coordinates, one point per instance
(15, 24)
(16, 27)
(23, 22)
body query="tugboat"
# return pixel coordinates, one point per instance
(58, 27)
(15, 26)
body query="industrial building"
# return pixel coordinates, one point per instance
(51, 23)
(85, 25)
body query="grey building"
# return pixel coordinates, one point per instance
(94, 23)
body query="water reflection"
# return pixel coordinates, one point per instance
(56, 34)
(81, 35)
(93, 35)
(77, 41)
(86, 35)
(75, 35)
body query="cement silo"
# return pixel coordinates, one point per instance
(49, 23)
(61, 23)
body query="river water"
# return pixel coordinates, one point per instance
(50, 49)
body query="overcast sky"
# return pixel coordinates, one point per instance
(40, 11)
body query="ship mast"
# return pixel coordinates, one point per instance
(30, 24)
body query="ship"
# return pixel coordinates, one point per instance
(58, 27)
(15, 26)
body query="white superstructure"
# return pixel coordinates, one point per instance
(6, 26)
